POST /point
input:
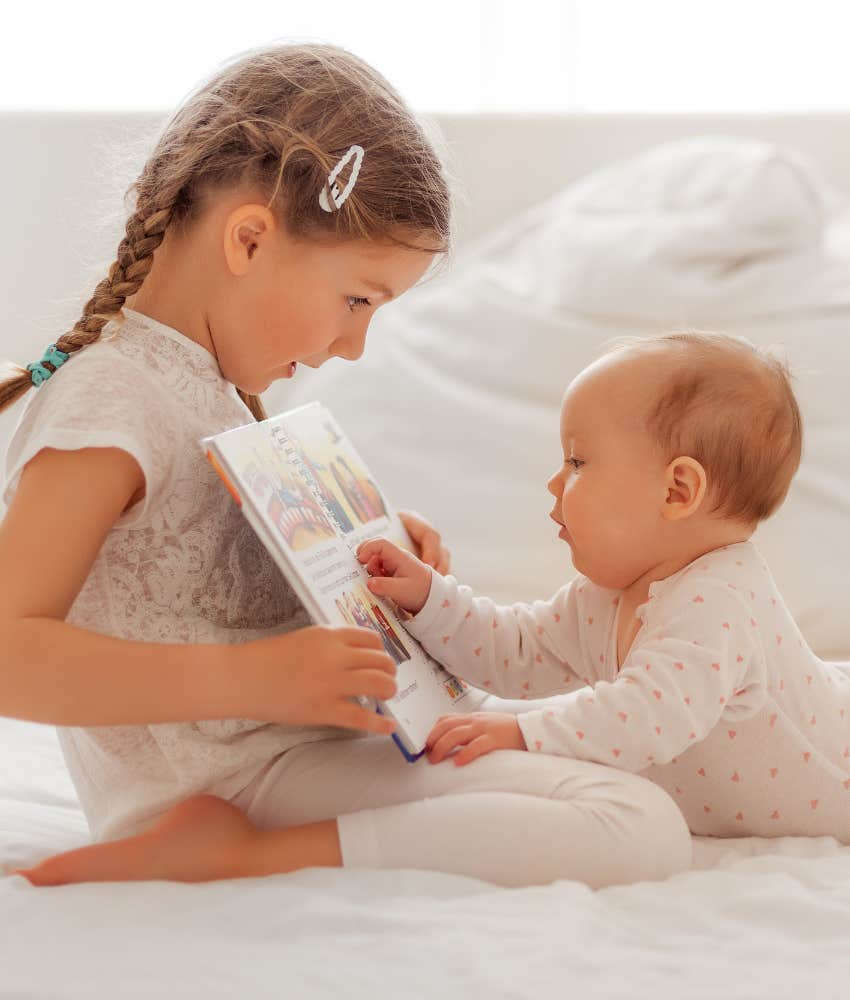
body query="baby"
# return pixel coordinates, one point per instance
(688, 666)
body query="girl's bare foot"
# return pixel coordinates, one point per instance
(198, 840)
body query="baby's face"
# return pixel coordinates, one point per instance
(610, 489)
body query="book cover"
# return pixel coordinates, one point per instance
(312, 500)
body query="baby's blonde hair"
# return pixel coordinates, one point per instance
(279, 118)
(730, 406)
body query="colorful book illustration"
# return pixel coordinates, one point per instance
(311, 500)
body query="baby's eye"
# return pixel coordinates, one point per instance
(576, 463)
(355, 300)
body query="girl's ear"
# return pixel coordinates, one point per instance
(685, 485)
(245, 230)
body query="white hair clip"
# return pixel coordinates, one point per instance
(339, 199)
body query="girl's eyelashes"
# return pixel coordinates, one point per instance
(576, 463)
(356, 300)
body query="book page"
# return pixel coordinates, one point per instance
(315, 501)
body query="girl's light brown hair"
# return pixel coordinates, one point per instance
(730, 406)
(279, 118)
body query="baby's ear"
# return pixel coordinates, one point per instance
(685, 484)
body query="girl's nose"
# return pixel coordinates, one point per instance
(554, 485)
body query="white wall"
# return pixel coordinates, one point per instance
(62, 177)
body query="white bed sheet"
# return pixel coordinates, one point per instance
(755, 918)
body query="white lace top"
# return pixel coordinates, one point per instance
(181, 566)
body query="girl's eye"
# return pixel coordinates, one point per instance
(576, 463)
(354, 300)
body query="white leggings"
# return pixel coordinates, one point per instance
(510, 817)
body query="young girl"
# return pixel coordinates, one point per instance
(209, 730)
(675, 447)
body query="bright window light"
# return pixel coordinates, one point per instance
(449, 55)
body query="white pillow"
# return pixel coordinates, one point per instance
(455, 403)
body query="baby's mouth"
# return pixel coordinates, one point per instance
(563, 533)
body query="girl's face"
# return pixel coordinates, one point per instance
(610, 489)
(294, 302)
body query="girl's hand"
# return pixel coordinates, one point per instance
(478, 733)
(427, 539)
(308, 677)
(395, 574)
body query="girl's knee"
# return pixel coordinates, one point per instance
(653, 837)
(662, 843)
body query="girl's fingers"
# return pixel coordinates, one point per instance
(444, 561)
(430, 547)
(423, 534)
(352, 635)
(414, 522)
(374, 683)
(355, 717)
(371, 659)
(430, 552)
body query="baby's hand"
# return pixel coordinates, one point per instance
(478, 733)
(396, 574)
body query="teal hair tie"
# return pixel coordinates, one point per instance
(52, 356)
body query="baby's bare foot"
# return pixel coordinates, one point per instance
(198, 840)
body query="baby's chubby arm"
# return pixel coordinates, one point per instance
(673, 689)
(516, 651)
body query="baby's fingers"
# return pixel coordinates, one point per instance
(456, 737)
(380, 547)
(443, 725)
(389, 586)
(474, 748)
(375, 567)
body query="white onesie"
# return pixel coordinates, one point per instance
(720, 700)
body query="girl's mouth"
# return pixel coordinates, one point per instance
(292, 366)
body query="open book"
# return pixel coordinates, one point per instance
(311, 500)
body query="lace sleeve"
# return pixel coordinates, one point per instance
(100, 400)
